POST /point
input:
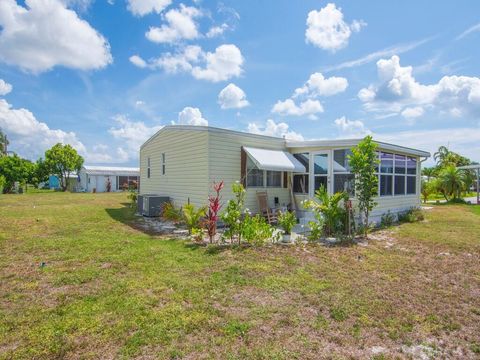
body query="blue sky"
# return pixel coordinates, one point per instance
(105, 75)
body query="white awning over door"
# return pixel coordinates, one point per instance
(274, 160)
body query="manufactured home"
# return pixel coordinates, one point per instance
(107, 178)
(181, 162)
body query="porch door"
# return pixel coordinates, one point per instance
(321, 171)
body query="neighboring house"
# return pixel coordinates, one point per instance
(181, 162)
(72, 182)
(96, 178)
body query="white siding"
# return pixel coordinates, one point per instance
(224, 164)
(186, 164)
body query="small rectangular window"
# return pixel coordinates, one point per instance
(400, 185)
(148, 168)
(274, 178)
(386, 182)
(344, 182)
(411, 185)
(411, 166)
(163, 163)
(254, 175)
(300, 183)
(399, 164)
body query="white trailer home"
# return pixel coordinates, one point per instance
(181, 162)
(97, 178)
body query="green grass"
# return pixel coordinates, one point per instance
(110, 290)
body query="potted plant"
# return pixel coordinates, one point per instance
(287, 220)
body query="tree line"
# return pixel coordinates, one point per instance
(60, 160)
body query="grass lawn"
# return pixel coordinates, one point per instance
(109, 290)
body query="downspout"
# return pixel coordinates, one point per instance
(420, 187)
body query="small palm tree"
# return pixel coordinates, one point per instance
(452, 181)
(429, 172)
(328, 206)
(192, 216)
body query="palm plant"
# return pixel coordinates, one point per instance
(429, 172)
(192, 216)
(441, 155)
(452, 181)
(329, 207)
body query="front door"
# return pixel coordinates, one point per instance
(321, 171)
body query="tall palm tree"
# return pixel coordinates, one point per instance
(441, 155)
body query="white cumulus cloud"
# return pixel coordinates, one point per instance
(318, 85)
(191, 116)
(232, 97)
(271, 128)
(31, 137)
(399, 92)
(327, 30)
(132, 133)
(289, 108)
(226, 62)
(138, 61)
(222, 64)
(144, 7)
(44, 34)
(180, 24)
(413, 112)
(217, 30)
(5, 87)
(351, 128)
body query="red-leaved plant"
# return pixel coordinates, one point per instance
(213, 210)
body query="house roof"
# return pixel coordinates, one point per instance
(111, 170)
(292, 144)
(347, 143)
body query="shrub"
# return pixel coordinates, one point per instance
(132, 196)
(256, 231)
(213, 210)
(197, 234)
(232, 217)
(171, 213)
(387, 220)
(411, 215)
(287, 220)
(328, 209)
(192, 216)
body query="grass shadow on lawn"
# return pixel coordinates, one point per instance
(126, 215)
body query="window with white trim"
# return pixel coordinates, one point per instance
(148, 168)
(397, 174)
(343, 179)
(300, 180)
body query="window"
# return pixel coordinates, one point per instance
(397, 174)
(127, 182)
(148, 168)
(274, 178)
(320, 170)
(163, 163)
(343, 180)
(300, 180)
(254, 175)
(386, 173)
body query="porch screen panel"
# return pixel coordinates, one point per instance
(300, 180)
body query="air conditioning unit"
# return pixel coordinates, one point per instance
(152, 204)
